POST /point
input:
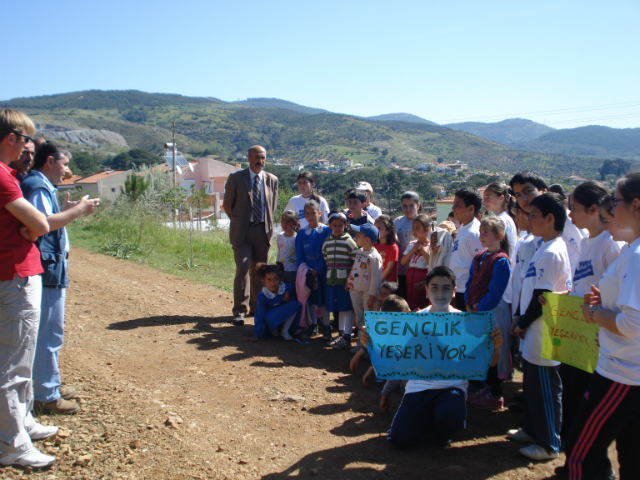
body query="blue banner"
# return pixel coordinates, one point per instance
(428, 346)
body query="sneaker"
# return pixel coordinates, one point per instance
(488, 402)
(31, 458)
(274, 332)
(520, 435)
(40, 432)
(57, 406)
(299, 331)
(238, 320)
(536, 452)
(340, 344)
(356, 349)
(286, 336)
(67, 392)
(483, 392)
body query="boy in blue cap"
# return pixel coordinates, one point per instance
(365, 278)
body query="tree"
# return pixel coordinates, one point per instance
(385, 151)
(84, 164)
(617, 167)
(134, 187)
(136, 157)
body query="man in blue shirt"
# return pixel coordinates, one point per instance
(50, 166)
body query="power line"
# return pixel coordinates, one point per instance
(551, 112)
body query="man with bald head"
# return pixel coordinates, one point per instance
(250, 199)
(21, 166)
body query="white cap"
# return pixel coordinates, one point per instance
(364, 186)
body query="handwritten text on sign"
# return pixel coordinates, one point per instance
(423, 346)
(567, 337)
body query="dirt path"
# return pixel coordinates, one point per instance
(170, 390)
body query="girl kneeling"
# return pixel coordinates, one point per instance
(275, 306)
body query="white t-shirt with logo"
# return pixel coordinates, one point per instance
(466, 246)
(297, 204)
(404, 229)
(596, 255)
(573, 238)
(620, 291)
(549, 269)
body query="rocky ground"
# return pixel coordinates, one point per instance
(169, 390)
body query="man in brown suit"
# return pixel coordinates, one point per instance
(250, 199)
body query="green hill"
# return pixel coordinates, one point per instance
(277, 103)
(210, 126)
(400, 117)
(593, 140)
(507, 132)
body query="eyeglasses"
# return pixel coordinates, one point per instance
(27, 138)
(615, 201)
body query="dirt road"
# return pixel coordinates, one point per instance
(169, 390)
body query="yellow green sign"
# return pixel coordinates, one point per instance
(566, 335)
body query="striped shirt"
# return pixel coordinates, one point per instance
(339, 254)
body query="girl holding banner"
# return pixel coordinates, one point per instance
(610, 409)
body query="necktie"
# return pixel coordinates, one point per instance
(257, 201)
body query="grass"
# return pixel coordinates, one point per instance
(142, 239)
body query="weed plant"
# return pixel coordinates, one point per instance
(137, 231)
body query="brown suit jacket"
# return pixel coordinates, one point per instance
(238, 203)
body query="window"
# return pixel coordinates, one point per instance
(113, 190)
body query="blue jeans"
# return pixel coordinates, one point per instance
(46, 374)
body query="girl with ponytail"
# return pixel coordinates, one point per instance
(307, 188)
(488, 279)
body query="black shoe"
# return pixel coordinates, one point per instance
(238, 320)
(519, 397)
(515, 407)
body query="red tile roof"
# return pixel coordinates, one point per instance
(101, 176)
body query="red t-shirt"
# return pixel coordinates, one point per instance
(17, 255)
(389, 253)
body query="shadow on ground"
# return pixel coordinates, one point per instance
(480, 451)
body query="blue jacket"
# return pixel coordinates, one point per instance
(51, 245)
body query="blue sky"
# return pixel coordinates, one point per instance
(563, 63)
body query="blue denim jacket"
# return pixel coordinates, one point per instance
(51, 245)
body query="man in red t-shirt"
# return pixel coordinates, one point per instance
(20, 293)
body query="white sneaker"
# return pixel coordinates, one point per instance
(31, 458)
(39, 432)
(536, 452)
(520, 436)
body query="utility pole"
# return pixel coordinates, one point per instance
(174, 154)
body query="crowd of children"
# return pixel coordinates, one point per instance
(497, 253)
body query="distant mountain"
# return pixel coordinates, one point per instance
(400, 117)
(593, 140)
(208, 126)
(507, 132)
(277, 103)
(95, 99)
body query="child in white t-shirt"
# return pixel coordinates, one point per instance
(286, 241)
(307, 188)
(548, 271)
(467, 201)
(597, 252)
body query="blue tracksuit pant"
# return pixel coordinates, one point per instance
(542, 405)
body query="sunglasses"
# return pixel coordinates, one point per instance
(27, 138)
